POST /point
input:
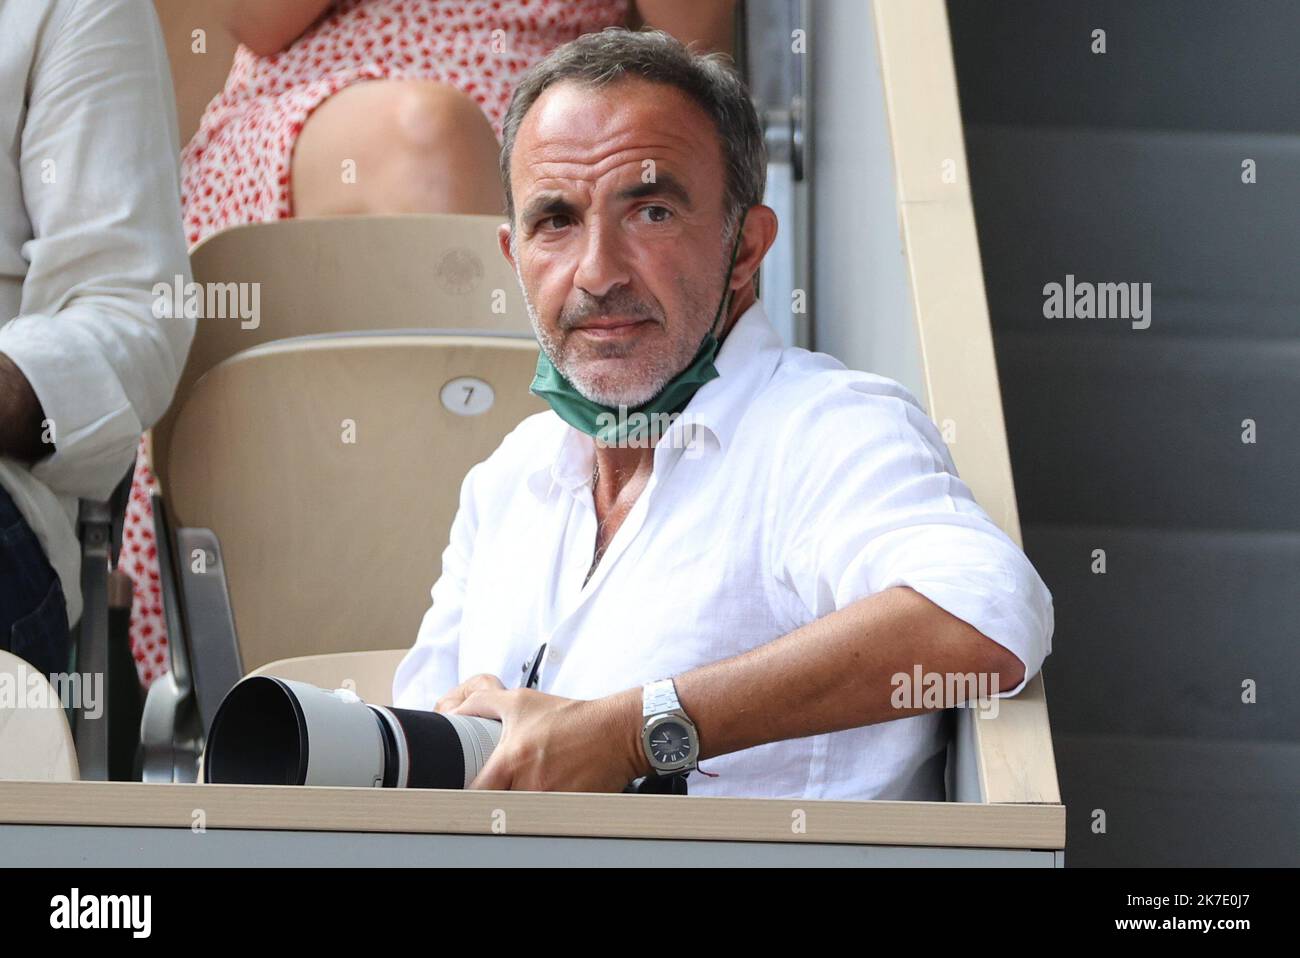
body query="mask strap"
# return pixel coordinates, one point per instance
(726, 284)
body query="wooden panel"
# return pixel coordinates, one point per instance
(1013, 751)
(534, 813)
(925, 128)
(957, 352)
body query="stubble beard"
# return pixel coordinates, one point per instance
(637, 381)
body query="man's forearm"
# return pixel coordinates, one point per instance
(833, 674)
(21, 416)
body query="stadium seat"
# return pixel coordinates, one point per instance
(417, 281)
(35, 738)
(369, 674)
(312, 483)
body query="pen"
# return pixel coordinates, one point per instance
(534, 672)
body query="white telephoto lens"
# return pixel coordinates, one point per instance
(346, 746)
(478, 738)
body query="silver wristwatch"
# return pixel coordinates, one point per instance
(668, 736)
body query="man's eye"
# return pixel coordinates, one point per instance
(557, 218)
(655, 212)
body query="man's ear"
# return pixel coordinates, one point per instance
(503, 240)
(758, 233)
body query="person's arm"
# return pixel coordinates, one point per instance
(20, 416)
(833, 674)
(898, 566)
(883, 515)
(101, 190)
(710, 23)
(269, 26)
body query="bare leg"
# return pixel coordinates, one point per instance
(397, 146)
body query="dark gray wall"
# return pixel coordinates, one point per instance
(1126, 167)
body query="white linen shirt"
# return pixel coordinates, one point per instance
(90, 221)
(809, 487)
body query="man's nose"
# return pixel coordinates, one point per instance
(602, 264)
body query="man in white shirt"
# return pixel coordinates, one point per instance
(89, 222)
(742, 597)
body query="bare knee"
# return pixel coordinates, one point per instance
(445, 152)
(420, 146)
(426, 116)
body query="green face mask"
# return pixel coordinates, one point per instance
(604, 422)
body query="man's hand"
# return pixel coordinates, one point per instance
(554, 744)
(457, 695)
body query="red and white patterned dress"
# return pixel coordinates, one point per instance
(236, 168)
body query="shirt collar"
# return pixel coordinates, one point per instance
(745, 362)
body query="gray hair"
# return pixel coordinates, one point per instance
(599, 59)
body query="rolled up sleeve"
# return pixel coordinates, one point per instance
(101, 189)
(875, 502)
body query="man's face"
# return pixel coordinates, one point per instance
(619, 242)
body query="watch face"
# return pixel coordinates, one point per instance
(670, 742)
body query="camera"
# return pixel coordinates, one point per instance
(271, 731)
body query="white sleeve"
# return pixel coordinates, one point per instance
(101, 190)
(872, 500)
(432, 667)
